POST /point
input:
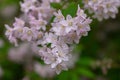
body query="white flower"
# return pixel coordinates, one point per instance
(82, 23)
(29, 34)
(81, 13)
(61, 53)
(39, 24)
(48, 57)
(69, 24)
(19, 23)
(61, 26)
(44, 70)
(60, 67)
(45, 10)
(58, 16)
(10, 34)
(71, 38)
(58, 28)
(18, 27)
(27, 5)
(50, 38)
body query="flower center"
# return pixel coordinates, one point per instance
(29, 32)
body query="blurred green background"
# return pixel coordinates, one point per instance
(99, 52)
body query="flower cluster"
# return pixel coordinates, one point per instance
(102, 9)
(64, 32)
(46, 71)
(32, 27)
(54, 40)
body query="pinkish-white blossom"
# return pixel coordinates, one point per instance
(10, 34)
(27, 5)
(58, 16)
(102, 9)
(44, 70)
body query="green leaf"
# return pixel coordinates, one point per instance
(64, 75)
(86, 61)
(74, 77)
(77, 48)
(86, 72)
(71, 9)
(56, 5)
(8, 2)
